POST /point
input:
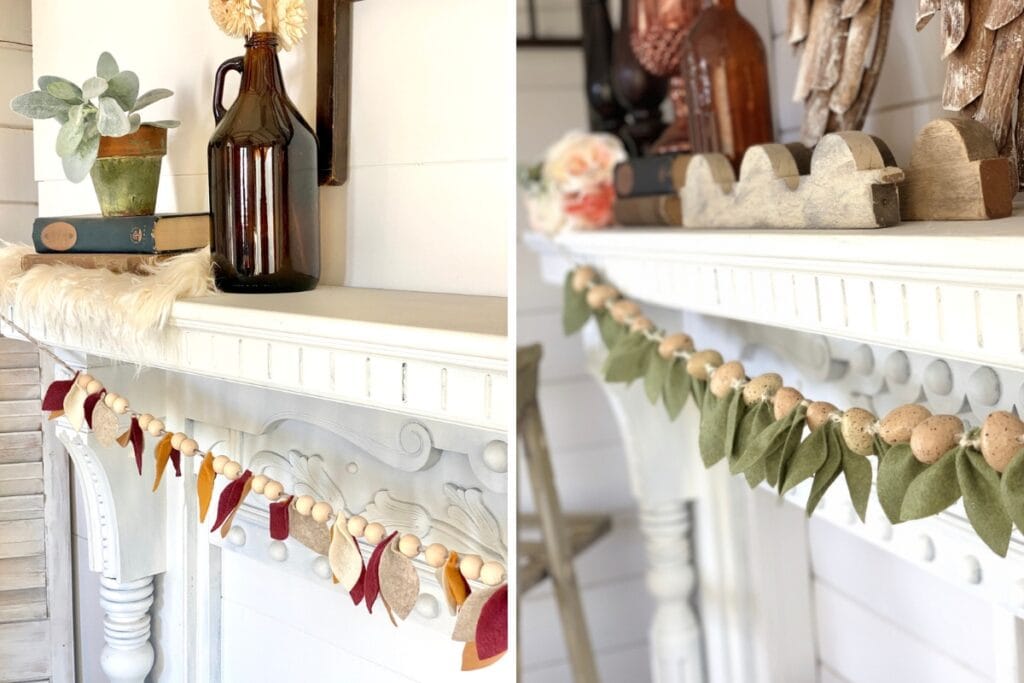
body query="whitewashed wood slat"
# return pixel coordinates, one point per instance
(21, 531)
(25, 360)
(16, 471)
(619, 664)
(19, 376)
(21, 507)
(20, 424)
(20, 487)
(18, 392)
(16, 221)
(15, 78)
(16, 181)
(24, 651)
(20, 455)
(23, 605)
(21, 440)
(20, 548)
(19, 573)
(17, 23)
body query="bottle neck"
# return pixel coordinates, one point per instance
(261, 72)
(722, 4)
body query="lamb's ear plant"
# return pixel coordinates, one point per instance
(106, 105)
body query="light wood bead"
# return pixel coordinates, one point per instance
(109, 398)
(679, 341)
(492, 573)
(145, 419)
(120, 405)
(761, 388)
(435, 554)
(259, 483)
(232, 470)
(304, 505)
(697, 366)
(93, 387)
(856, 430)
(177, 439)
(321, 512)
(188, 447)
(641, 324)
(624, 309)
(470, 566)
(583, 276)
(599, 295)
(897, 426)
(409, 545)
(356, 526)
(785, 401)
(1001, 439)
(155, 427)
(272, 490)
(725, 377)
(83, 380)
(219, 462)
(930, 439)
(818, 413)
(374, 532)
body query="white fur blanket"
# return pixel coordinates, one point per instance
(122, 313)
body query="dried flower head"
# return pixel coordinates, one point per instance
(290, 21)
(236, 18)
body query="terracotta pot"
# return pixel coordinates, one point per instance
(126, 175)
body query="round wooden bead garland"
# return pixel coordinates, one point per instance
(999, 440)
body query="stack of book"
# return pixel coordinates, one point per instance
(118, 243)
(647, 190)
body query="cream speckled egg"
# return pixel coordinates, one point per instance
(624, 309)
(679, 341)
(1000, 439)
(356, 525)
(641, 324)
(897, 426)
(374, 532)
(583, 276)
(725, 377)
(697, 366)
(856, 430)
(435, 554)
(932, 437)
(470, 566)
(818, 414)
(599, 295)
(761, 388)
(785, 401)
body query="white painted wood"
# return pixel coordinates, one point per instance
(15, 78)
(128, 655)
(15, 180)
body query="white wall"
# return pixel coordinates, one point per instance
(17, 191)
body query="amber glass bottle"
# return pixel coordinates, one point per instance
(726, 77)
(264, 192)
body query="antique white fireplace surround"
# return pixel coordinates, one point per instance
(392, 403)
(923, 312)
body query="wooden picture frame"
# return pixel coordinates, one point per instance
(333, 89)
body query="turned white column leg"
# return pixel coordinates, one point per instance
(128, 655)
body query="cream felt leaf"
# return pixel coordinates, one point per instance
(399, 582)
(104, 424)
(345, 558)
(313, 534)
(469, 615)
(74, 406)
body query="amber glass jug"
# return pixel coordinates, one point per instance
(264, 193)
(726, 76)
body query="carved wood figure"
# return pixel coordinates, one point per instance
(983, 45)
(956, 173)
(848, 182)
(844, 43)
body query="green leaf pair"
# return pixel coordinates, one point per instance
(575, 311)
(769, 450)
(627, 359)
(756, 419)
(720, 419)
(668, 380)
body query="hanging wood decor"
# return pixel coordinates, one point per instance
(843, 43)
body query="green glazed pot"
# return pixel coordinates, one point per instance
(126, 175)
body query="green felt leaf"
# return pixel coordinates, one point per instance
(857, 472)
(984, 507)
(829, 470)
(808, 459)
(755, 420)
(698, 388)
(934, 489)
(611, 331)
(756, 473)
(778, 462)
(737, 408)
(1012, 487)
(627, 360)
(896, 470)
(575, 311)
(763, 443)
(677, 388)
(713, 418)
(657, 372)
(881, 447)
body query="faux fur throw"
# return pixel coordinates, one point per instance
(122, 313)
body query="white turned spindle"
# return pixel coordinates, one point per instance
(128, 655)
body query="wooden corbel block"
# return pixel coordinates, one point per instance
(956, 173)
(849, 181)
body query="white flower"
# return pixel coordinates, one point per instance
(234, 17)
(580, 162)
(544, 210)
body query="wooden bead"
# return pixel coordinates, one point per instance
(93, 387)
(582, 278)
(785, 401)
(356, 526)
(697, 366)
(599, 295)
(932, 437)
(259, 483)
(897, 426)
(188, 447)
(856, 430)
(435, 554)
(109, 398)
(177, 439)
(678, 341)
(304, 504)
(219, 462)
(1001, 439)
(155, 427)
(492, 573)
(818, 413)
(409, 545)
(470, 566)
(374, 532)
(623, 310)
(232, 470)
(641, 324)
(273, 490)
(120, 405)
(321, 512)
(83, 380)
(725, 378)
(761, 388)
(145, 419)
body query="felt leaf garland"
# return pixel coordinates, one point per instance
(575, 311)
(246, 487)
(90, 405)
(980, 486)
(399, 582)
(491, 636)
(309, 532)
(1012, 488)
(857, 472)
(74, 406)
(714, 416)
(934, 489)
(778, 461)
(757, 419)
(230, 499)
(278, 517)
(611, 331)
(760, 445)
(677, 388)
(469, 615)
(734, 416)
(104, 425)
(162, 454)
(471, 660)
(204, 488)
(53, 400)
(345, 557)
(896, 470)
(454, 585)
(358, 591)
(829, 470)
(627, 360)
(656, 375)
(373, 572)
(133, 435)
(808, 459)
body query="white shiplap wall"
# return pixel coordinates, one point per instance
(17, 191)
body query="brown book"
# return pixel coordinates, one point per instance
(661, 210)
(117, 263)
(649, 176)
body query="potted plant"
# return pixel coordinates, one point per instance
(102, 134)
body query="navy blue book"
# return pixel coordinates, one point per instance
(158, 234)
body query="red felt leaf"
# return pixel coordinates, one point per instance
(230, 497)
(358, 591)
(90, 405)
(372, 582)
(138, 442)
(176, 461)
(492, 626)
(279, 519)
(56, 392)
